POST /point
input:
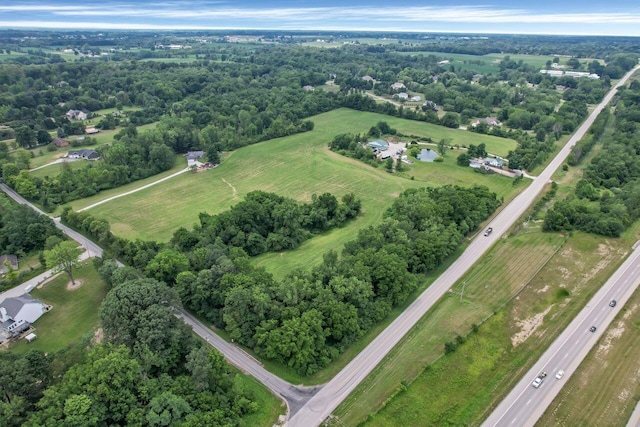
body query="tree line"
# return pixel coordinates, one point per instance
(606, 201)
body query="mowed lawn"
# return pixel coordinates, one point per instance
(296, 166)
(74, 313)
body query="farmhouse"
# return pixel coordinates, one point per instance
(18, 313)
(416, 98)
(76, 115)
(490, 121)
(84, 154)
(8, 262)
(193, 156)
(368, 78)
(398, 86)
(496, 162)
(427, 155)
(91, 130)
(403, 95)
(378, 145)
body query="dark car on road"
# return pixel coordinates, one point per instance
(488, 231)
(592, 329)
(612, 303)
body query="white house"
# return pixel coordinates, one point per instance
(18, 313)
(76, 115)
(403, 95)
(398, 86)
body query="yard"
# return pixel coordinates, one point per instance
(74, 313)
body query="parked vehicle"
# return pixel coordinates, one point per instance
(488, 231)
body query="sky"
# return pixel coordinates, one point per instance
(580, 17)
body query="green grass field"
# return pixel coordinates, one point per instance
(56, 169)
(74, 313)
(296, 166)
(462, 388)
(490, 63)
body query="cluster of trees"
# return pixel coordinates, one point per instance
(607, 200)
(23, 230)
(584, 146)
(473, 152)
(148, 371)
(266, 222)
(307, 319)
(354, 145)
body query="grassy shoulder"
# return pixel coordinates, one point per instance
(604, 390)
(463, 387)
(74, 312)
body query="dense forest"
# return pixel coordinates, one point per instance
(149, 370)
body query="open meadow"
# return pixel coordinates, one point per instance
(296, 166)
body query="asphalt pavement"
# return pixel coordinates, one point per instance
(335, 391)
(526, 404)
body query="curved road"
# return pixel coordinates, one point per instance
(294, 396)
(92, 248)
(525, 404)
(334, 392)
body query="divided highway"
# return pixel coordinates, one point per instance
(525, 404)
(335, 391)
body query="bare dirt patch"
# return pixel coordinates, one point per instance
(528, 327)
(98, 336)
(73, 286)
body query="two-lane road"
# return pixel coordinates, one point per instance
(335, 391)
(525, 404)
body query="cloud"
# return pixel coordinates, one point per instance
(221, 15)
(426, 14)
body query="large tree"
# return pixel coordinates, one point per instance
(63, 257)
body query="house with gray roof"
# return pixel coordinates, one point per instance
(193, 156)
(378, 145)
(18, 313)
(83, 154)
